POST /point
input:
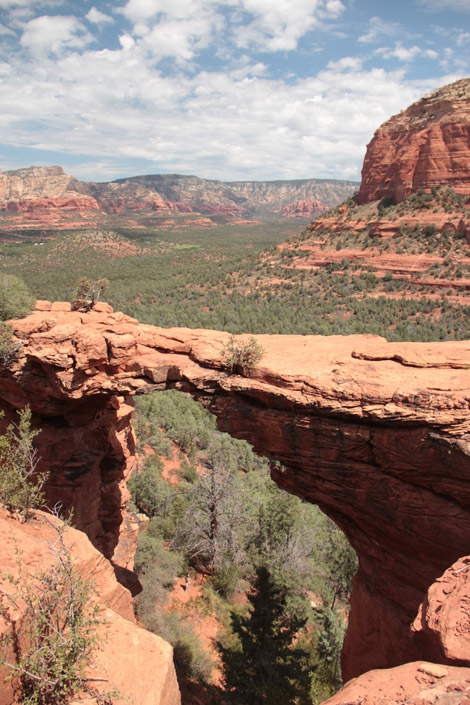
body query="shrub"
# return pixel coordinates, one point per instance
(57, 635)
(88, 292)
(20, 484)
(8, 347)
(15, 299)
(242, 356)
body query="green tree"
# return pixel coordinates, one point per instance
(20, 483)
(15, 299)
(264, 667)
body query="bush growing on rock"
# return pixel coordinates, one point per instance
(48, 651)
(15, 299)
(8, 347)
(242, 356)
(88, 292)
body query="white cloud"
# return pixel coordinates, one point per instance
(239, 124)
(177, 38)
(126, 41)
(406, 54)
(6, 30)
(25, 9)
(143, 10)
(345, 63)
(334, 8)
(440, 5)
(278, 26)
(97, 17)
(268, 25)
(54, 34)
(7, 4)
(379, 28)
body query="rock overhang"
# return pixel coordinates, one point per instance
(376, 433)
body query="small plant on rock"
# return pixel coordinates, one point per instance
(8, 347)
(88, 293)
(242, 356)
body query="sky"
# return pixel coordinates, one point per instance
(235, 90)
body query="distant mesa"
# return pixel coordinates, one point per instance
(426, 145)
(46, 197)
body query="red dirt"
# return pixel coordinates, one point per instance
(191, 602)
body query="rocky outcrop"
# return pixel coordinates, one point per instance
(376, 433)
(441, 631)
(426, 145)
(128, 660)
(418, 683)
(304, 209)
(45, 197)
(441, 627)
(36, 182)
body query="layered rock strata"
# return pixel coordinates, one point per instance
(46, 197)
(426, 145)
(376, 433)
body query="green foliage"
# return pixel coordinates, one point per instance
(229, 520)
(157, 569)
(58, 634)
(20, 484)
(329, 642)
(266, 293)
(264, 667)
(242, 356)
(15, 299)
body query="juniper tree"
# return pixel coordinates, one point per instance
(265, 666)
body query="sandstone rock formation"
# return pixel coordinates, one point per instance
(133, 662)
(418, 683)
(45, 197)
(376, 433)
(441, 627)
(426, 145)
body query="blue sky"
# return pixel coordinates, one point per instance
(244, 89)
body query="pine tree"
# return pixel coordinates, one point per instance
(266, 668)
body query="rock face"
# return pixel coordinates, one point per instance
(418, 683)
(130, 660)
(46, 197)
(426, 145)
(376, 433)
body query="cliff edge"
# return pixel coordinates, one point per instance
(426, 145)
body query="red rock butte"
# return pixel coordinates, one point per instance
(376, 433)
(426, 145)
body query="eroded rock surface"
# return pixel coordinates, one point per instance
(426, 145)
(376, 433)
(418, 683)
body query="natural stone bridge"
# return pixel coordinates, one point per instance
(376, 433)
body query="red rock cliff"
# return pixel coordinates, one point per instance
(376, 433)
(426, 145)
